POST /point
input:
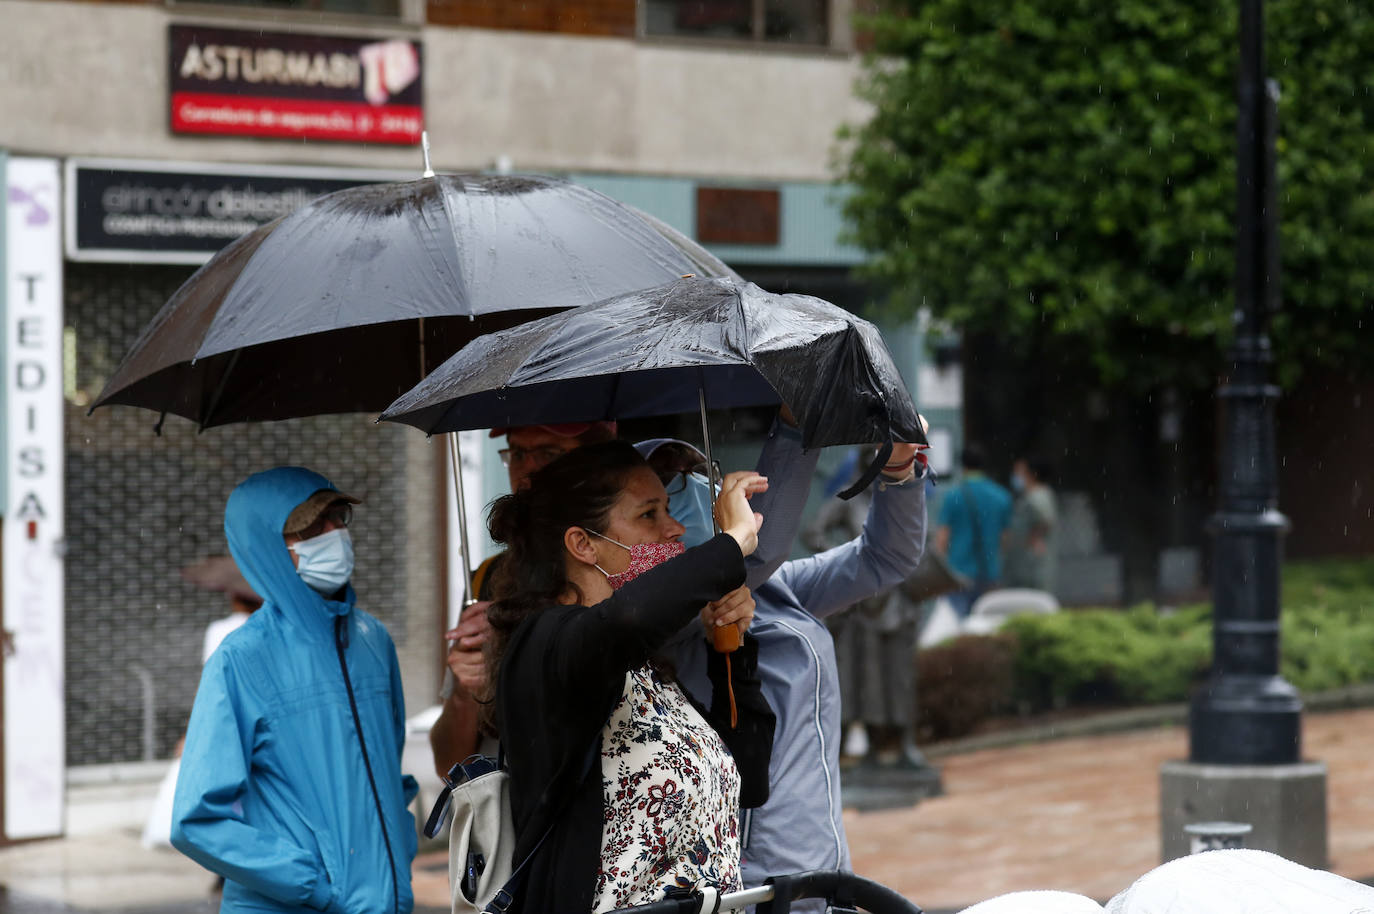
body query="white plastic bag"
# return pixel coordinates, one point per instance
(1036, 902)
(1241, 881)
(157, 831)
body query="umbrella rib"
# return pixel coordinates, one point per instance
(615, 395)
(460, 279)
(219, 390)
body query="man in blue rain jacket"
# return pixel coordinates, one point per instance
(290, 784)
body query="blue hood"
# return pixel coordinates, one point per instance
(253, 521)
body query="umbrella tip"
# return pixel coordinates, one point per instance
(424, 147)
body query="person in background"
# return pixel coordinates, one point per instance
(455, 734)
(800, 827)
(973, 521)
(219, 573)
(291, 784)
(1030, 559)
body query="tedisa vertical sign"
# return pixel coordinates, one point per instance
(34, 726)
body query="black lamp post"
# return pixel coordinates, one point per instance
(1246, 713)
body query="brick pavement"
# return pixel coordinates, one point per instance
(1081, 815)
(1078, 815)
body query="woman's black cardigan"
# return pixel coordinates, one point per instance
(562, 673)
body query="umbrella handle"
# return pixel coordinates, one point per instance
(726, 639)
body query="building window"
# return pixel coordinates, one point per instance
(791, 22)
(387, 8)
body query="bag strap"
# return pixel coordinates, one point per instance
(505, 896)
(871, 473)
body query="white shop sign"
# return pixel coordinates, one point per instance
(34, 727)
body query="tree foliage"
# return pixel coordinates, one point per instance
(1068, 169)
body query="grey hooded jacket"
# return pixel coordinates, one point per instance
(800, 827)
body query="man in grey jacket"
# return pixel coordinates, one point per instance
(800, 827)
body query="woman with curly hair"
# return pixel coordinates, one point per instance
(637, 787)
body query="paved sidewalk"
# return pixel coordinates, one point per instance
(1078, 815)
(1082, 815)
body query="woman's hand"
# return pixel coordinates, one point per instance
(736, 607)
(732, 510)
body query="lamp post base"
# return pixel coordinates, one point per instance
(1284, 804)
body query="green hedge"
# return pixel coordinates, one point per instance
(1142, 656)
(1328, 624)
(1135, 656)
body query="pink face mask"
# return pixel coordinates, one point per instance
(643, 556)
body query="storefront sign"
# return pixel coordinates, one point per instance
(232, 82)
(162, 212)
(34, 723)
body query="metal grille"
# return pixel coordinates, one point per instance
(141, 507)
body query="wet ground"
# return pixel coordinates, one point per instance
(1078, 815)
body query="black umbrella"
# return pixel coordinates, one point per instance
(347, 302)
(672, 349)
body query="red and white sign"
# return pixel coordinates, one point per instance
(230, 82)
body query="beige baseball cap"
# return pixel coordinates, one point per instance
(309, 511)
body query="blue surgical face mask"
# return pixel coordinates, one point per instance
(1018, 482)
(692, 508)
(326, 561)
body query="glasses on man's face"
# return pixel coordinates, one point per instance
(339, 515)
(538, 457)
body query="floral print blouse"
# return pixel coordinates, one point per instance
(671, 796)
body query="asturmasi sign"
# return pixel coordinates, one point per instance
(233, 82)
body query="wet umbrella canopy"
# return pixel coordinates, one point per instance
(347, 302)
(650, 353)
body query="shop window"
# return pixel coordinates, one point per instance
(384, 8)
(790, 22)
